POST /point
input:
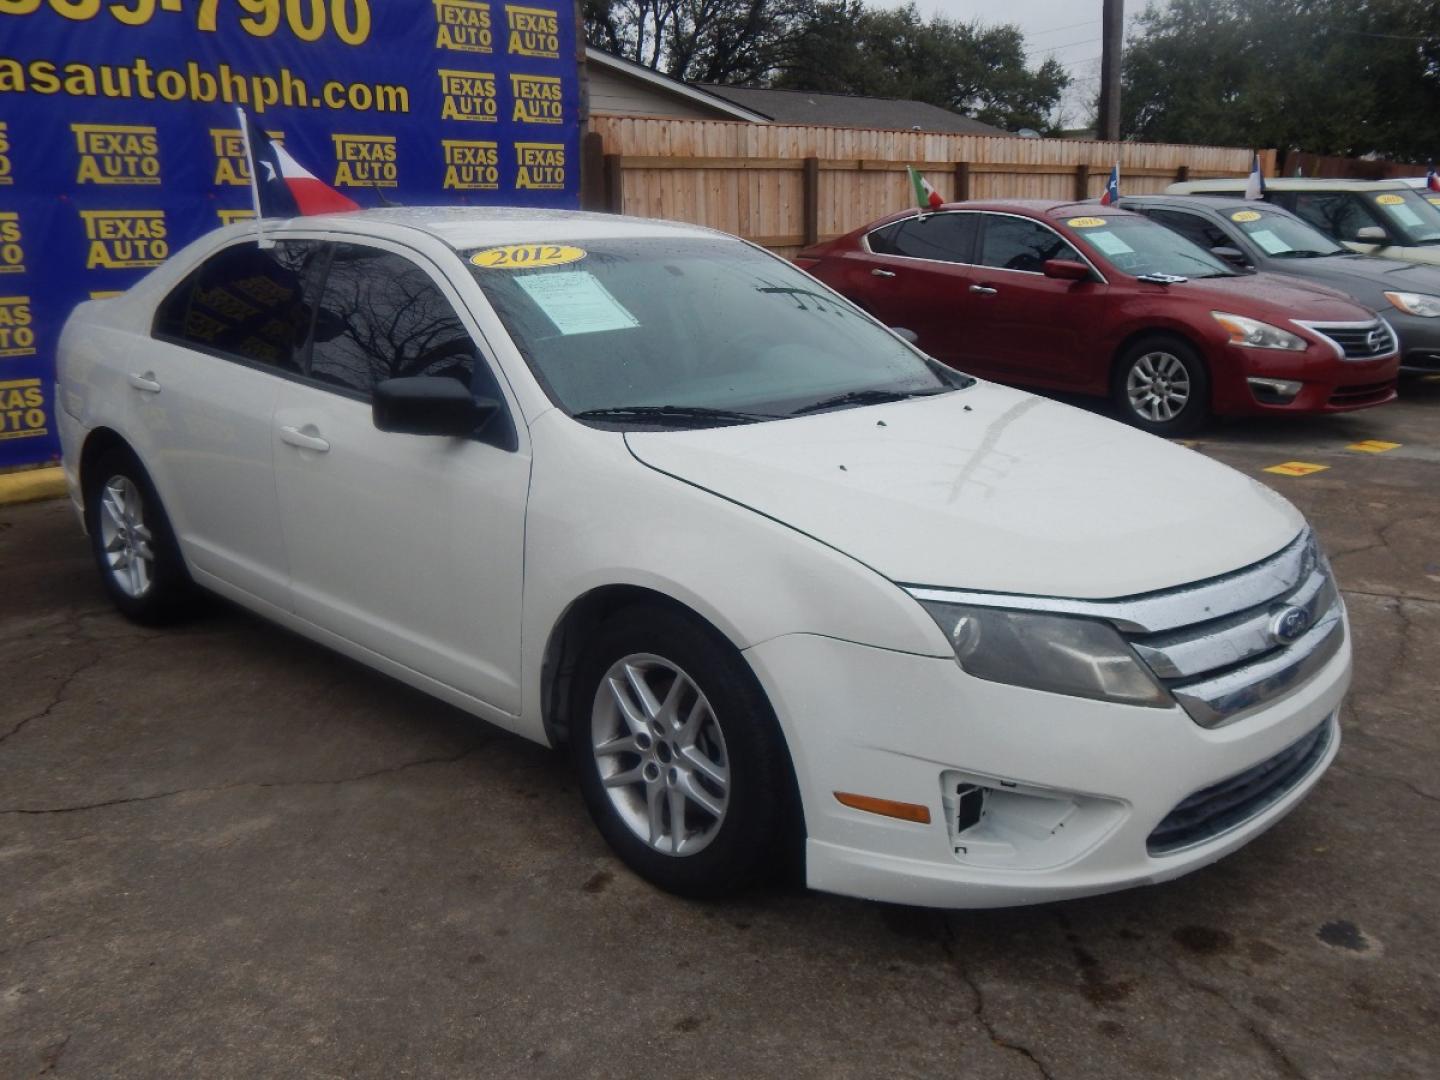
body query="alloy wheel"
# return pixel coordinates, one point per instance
(660, 754)
(1158, 386)
(129, 554)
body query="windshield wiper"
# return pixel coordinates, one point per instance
(863, 397)
(662, 413)
(1305, 254)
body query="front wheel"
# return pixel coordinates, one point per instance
(678, 753)
(1162, 387)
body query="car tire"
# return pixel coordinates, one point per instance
(1161, 386)
(132, 541)
(669, 721)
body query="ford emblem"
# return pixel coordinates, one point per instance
(1289, 625)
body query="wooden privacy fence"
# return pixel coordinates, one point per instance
(788, 186)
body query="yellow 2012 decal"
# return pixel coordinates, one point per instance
(1245, 215)
(1085, 222)
(1389, 200)
(526, 256)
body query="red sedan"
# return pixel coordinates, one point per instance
(1095, 300)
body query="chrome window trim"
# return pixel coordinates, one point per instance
(865, 244)
(1149, 613)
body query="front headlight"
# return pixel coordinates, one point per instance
(1255, 334)
(1414, 303)
(1059, 653)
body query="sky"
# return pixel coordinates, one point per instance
(1068, 30)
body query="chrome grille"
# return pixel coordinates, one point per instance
(1357, 341)
(1266, 641)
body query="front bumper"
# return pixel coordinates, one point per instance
(1419, 342)
(1328, 384)
(1090, 781)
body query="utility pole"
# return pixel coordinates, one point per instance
(1112, 29)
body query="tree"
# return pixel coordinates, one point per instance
(846, 47)
(734, 41)
(1331, 76)
(837, 46)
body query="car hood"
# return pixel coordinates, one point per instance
(989, 488)
(1288, 297)
(1366, 273)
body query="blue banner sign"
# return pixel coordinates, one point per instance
(119, 143)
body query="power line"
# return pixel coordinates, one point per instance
(1057, 29)
(1068, 45)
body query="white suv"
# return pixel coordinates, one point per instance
(774, 574)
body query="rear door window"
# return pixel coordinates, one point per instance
(1014, 243)
(940, 237)
(381, 316)
(250, 303)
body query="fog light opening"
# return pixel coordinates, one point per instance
(1274, 391)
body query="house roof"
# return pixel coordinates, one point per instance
(846, 110)
(664, 84)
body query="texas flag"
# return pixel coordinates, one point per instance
(1432, 181)
(1255, 182)
(926, 197)
(1111, 194)
(281, 186)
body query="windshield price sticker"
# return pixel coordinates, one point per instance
(526, 256)
(576, 303)
(1268, 240)
(1085, 222)
(1245, 215)
(1109, 243)
(1389, 200)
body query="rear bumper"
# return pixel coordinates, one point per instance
(1087, 782)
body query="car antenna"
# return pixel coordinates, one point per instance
(385, 200)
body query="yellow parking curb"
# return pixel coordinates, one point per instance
(32, 485)
(1296, 468)
(1373, 446)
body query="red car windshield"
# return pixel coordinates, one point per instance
(1140, 247)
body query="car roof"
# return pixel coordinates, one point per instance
(1039, 208)
(1216, 204)
(1280, 183)
(463, 227)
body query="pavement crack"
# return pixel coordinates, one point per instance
(977, 1011)
(1283, 1063)
(1352, 770)
(55, 699)
(260, 784)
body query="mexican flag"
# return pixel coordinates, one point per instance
(926, 197)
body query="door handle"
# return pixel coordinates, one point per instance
(877, 272)
(147, 382)
(304, 440)
(983, 290)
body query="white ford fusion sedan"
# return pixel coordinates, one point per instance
(788, 588)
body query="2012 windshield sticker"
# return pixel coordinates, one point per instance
(526, 256)
(1085, 222)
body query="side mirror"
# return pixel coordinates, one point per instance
(1371, 234)
(1232, 255)
(906, 333)
(1066, 270)
(424, 405)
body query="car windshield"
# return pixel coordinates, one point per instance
(1138, 246)
(1415, 218)
(692, 331)
(1283, 236)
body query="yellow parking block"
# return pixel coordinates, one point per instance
(32, 485)
(1373, 446)
(1296, 468)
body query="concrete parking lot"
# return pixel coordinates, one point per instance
(226, 852)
